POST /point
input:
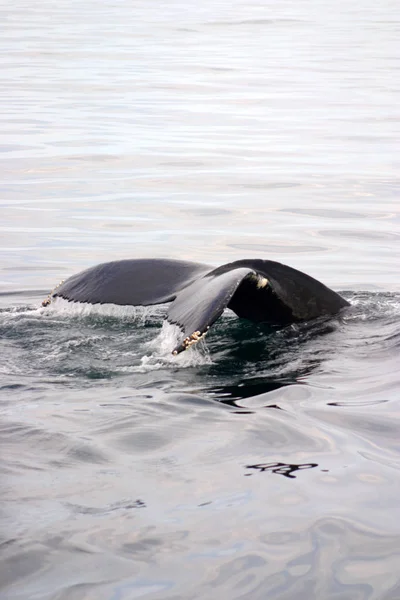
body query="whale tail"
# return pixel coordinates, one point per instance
(255, 289)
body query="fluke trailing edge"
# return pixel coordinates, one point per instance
(258, 290)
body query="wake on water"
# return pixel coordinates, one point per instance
(159, 348)
(143, 319)
(70, 338)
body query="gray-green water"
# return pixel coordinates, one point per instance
(263, 464)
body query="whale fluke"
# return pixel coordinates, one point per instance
(255, 289)
(140, 282)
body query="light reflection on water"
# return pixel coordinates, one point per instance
(126, 128)
(206, 132)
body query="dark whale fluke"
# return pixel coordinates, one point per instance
(258, 290)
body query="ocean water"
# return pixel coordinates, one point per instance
(260, 464)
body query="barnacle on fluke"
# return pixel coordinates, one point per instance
(255, 289)
(47, 300)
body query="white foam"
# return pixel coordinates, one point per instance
(140, 314)
(367, 306)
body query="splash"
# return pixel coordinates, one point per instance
(161, 348)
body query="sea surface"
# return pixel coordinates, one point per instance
(258, 465)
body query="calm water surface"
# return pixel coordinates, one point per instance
(264, 464)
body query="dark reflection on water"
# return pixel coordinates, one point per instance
(281, 468)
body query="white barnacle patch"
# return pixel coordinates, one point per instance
(262, 282)
(49, 298)
(195, 337)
